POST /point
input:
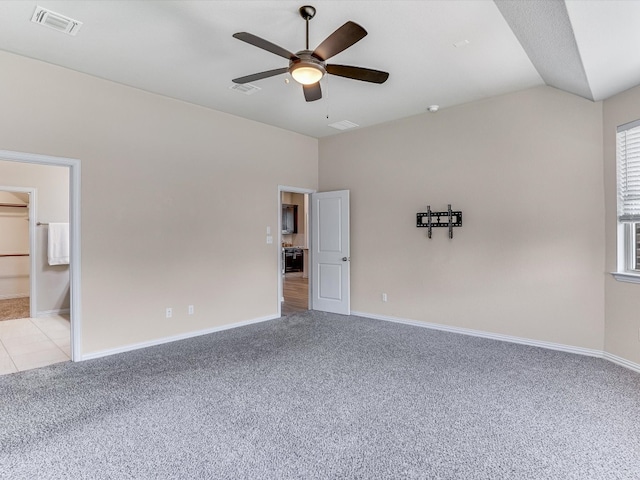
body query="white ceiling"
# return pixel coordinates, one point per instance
(185, 50)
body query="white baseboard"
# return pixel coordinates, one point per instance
(51, 313)
(508, 338)
(621, 361)
(433, 326)
(13, 295)
(493, 336)
(174, 338)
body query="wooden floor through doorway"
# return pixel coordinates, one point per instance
(295, 290)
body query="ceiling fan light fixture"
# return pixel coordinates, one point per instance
(307, 73)
(308, 67)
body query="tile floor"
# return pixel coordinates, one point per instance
(29, 343)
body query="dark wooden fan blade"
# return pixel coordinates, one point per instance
(358, 73)
(341, 39)
(264, 44)
(312, 92)
(260, 76)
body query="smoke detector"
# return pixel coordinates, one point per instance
(56, 21)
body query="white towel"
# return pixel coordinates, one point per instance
(58, 244)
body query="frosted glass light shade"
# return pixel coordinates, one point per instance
(307, 74)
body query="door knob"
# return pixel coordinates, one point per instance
(344, 259)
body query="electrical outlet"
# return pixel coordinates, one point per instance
(191, 310)
(384, 297)
(169, 312)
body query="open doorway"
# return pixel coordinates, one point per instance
(35, 323)
(325, 253)
(54, 290)
(294, 262)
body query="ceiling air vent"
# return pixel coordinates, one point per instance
(56, 21)
(245, 88)
(343, 125)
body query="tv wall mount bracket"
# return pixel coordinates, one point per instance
(431, 219)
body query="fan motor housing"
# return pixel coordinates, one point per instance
(306, 59)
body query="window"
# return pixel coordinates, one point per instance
(628, 171)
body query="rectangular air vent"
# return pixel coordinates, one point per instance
(56, 21)
(343, 125)
(245, 88)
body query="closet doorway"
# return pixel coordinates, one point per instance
(16, 239)
(50, 333)
(35, 328)
(15, 249)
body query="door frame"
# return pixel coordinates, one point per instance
(281, 189)
(32, 212)
(74, 234)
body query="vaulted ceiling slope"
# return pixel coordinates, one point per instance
(438, 52)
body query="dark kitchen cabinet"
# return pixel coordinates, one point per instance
(289, 219)
(293, 259)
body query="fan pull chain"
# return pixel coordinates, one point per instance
(327, 96)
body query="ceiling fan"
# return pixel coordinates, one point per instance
(308, 67)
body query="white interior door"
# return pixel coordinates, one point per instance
(330, 287)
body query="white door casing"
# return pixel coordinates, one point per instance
(303, 191)
(74, 226)
(330, 257)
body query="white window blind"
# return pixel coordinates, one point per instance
(628, 153)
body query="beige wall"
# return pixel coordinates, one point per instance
(526, 171)
(52, 190)
(622, 299)
(162, 222)
(163, 225)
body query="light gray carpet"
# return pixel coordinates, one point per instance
(324, 396)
